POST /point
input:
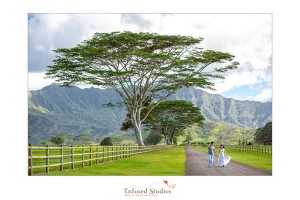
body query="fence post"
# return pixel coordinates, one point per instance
(121, 151)
(82, 157)
(117, 152)
(47, 159)
(97, 150)
(61, 158)
(112, 152)
(130, 150)
(30, 159)
(134, 150)
(72, 159)
(127, 151)
(103, 154)
(143, 150)
(107, 153)
(91, 155)
(123, 148)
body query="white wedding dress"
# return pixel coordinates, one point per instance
(223, 160)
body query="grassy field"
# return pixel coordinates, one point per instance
(261, 161)
(169, 162)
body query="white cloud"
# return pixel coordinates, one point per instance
(234, 80)
(263, 96)
(36, 81)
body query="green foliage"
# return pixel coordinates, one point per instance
(58, 140)
(170, 118)
(153, 138)
(46, 142)
(190, 134)
(139, 66)
(264, 135)
(100, 57)
(106, 142)
(224, 134)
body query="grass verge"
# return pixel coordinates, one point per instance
(169, 162)
(261, 161)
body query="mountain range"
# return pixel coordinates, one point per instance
(54, 110)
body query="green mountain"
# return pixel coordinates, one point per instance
(216, 108)
(54, 110)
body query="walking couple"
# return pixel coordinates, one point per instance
(222, 160)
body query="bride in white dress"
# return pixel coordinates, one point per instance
(223, 160)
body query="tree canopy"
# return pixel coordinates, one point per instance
(264, 134)
(58, 140)
(106, 142)
(171, 118)
(140, 66)
(153, 138)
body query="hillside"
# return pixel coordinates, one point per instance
(54, 110)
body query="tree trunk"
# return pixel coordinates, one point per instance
(138, 135)
(166, 140)
(137, 126)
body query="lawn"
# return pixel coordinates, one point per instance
(169, 162)
(261, 161)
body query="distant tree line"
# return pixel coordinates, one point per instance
(85, 138)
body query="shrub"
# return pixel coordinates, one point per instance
(106, 142)
(57, 140)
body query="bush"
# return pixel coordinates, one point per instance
(57, 140)
(106, 142)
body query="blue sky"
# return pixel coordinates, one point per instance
(247, 36)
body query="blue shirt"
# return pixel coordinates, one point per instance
(210, 150)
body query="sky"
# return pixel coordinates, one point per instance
(247, 36)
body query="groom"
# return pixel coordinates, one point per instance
(211, 152)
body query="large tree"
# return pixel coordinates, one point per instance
(264, 134)
(172, 118)
(140, 66)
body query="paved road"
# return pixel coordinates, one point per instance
(196, 164)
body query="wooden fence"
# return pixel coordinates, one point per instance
(53, 158)
(259, 149)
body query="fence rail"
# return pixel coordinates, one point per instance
(53, 158)
(259, 149)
